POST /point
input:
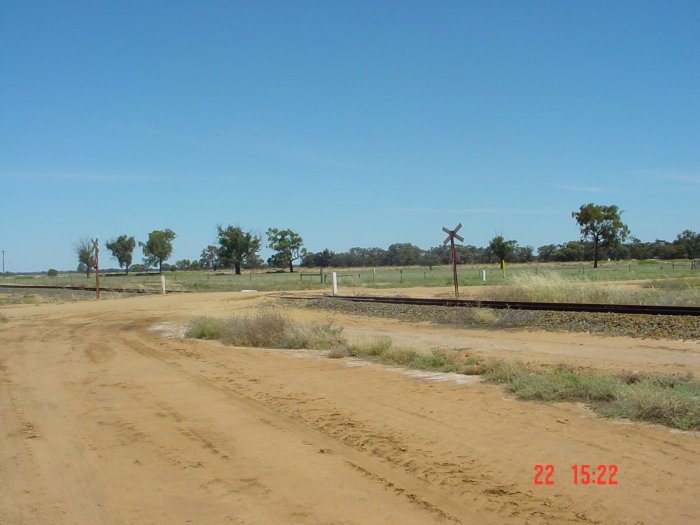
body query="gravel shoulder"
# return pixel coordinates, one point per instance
(639, 326)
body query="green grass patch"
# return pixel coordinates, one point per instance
(382, 350)
(671, 400)
(675, 404)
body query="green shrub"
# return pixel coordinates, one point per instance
(52, 273)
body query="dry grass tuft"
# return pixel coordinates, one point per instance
(267, 329)
(553, 287)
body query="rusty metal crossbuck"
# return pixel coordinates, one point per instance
(451, 236)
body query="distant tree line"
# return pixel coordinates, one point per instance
(686, 246)
(603, 236)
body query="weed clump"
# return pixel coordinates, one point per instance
(206, 328)
(266, 329)
(675, 404)
(382, 350)
(671, 400)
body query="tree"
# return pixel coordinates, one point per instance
(287, 244)
(158, 248)
(209, 258)
(236, 247)
(183, 264)
(689, 243)
(122, 249)
(602, 225)
(546, 253)
(435, 256)
(639, 249)
(524, 254)
(322, 259)
(502, 248)
(404, 254)
(86, 255)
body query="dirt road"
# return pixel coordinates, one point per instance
(106, 417)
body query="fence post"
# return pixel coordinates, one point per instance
(400, 275)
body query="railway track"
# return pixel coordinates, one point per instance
(521, 305)
(82, 288)
(468, 303)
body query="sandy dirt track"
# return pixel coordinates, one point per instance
(104, 418)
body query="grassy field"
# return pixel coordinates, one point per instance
(659, 275)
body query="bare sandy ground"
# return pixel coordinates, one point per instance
(106, 416)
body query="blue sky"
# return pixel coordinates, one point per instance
(354, 123)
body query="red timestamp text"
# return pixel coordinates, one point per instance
(583, 474)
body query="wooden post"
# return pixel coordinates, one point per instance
(96, 247)
(453, 252)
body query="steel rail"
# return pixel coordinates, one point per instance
(522, 305)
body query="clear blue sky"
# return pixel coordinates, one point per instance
(357, 123)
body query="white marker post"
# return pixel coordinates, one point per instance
(335, 283)
(483, 276)
(162, 282)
